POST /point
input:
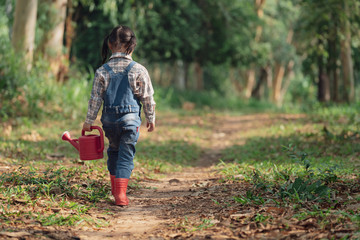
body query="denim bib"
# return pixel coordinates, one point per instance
(119, 97)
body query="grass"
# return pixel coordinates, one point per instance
(311, 167)
(26, 191)
(42, 181)
(303, 164)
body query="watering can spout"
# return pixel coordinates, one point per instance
(66, 137)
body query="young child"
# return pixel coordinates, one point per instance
(121, 84)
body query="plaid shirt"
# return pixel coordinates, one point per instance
(139, 81)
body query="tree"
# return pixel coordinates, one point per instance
(51, 45)
(259, 5)
(23, 34)
(283, 55)
(325, 30)
(346, 58)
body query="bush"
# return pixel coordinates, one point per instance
(12, 74)
(33, 94)
(170, 98)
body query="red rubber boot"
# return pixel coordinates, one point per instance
(112, 180)
(120, 191)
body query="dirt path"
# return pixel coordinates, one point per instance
(151, 206)
(161, 207)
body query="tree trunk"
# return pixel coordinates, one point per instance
(259, 88)
(259, 5)
(179, 77)
(186, 72)
(250, 82)
(23, 34)
(52, 43)
(234, 80)
(346, 59)
(169, 71)
(323, 79)
(269, 79)
(279, 75)
(323, 82)
(199, 77)
(332, 68)
(289, 75)
(156, 74)
(69, 30)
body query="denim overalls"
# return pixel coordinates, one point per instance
(121, 122)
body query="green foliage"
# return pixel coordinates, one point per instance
(305, 190)
(307, 185)
(12, 71)
(171, 98)
(51, 183)
(20, 93)
(299, 156)
(216, 34)
(299, 176)
(250, 198)
(187, 225)
(166, 156)
(170, 30)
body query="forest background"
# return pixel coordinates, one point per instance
(292, 54)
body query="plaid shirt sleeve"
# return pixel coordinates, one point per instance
(96, 97)
(143, 89)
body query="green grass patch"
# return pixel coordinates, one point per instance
(309, 165)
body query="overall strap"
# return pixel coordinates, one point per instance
(109, 69)
(128, 68)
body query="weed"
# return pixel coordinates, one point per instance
(215, 201)
(205, 223)
(52, 183)
(187, 225)
(260, 218)
(305, 190)
(249, 198)
(300, 157)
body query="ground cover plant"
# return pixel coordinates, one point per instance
(209, 174)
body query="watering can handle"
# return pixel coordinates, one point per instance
(101, 137)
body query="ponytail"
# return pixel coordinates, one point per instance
(105, 49)
(131, 44)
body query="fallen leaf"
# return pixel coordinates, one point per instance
(240, 215)
(276, 210)
(353, 207)
(15, 234)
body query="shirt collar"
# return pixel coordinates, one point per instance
(120, 55)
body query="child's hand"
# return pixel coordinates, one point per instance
(150, 126)
(86, 127)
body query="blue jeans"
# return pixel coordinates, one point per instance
(122, 130)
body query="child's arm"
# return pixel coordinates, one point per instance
(151, 125)
(149, 111)
(143, 89)
(95, 101)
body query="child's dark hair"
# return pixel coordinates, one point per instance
(119, 35)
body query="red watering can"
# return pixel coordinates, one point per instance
(90, 147)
